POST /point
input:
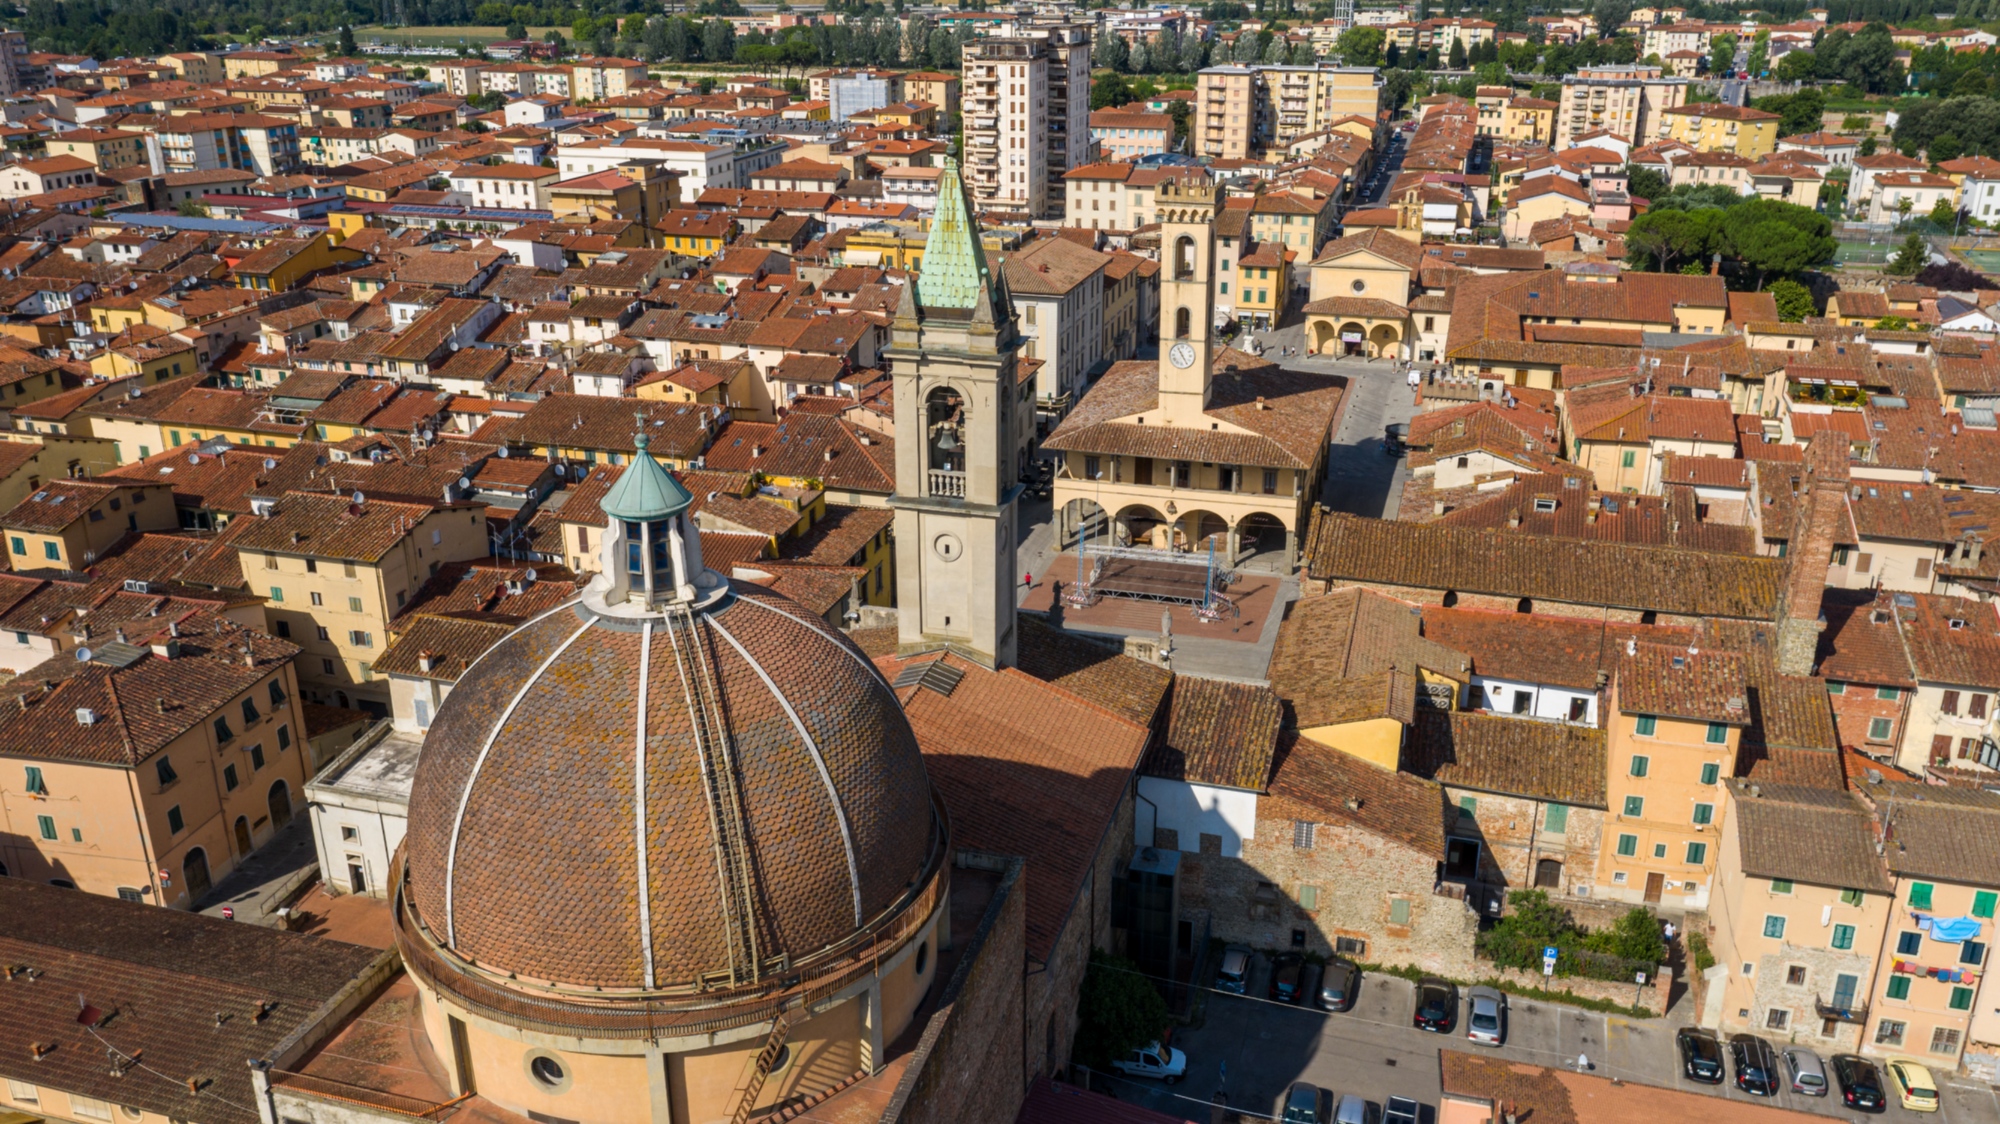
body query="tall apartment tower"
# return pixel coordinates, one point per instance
(1626, 100)
(952, 354)
(1248, 112)
(1027, 117)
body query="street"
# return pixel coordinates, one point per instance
(1374, 1051)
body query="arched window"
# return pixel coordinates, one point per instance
(944, 430)
(1184, 258)
(1183, 322)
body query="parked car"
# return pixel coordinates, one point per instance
(1234, 975)
(1354, 1110)
(1915, 1089)
(1338, 985)
(1302, 1105)
(1437, 1005)
(1756, 1065)
(1155, 1060)
(1486, 1016)
(1807, 1074)
(1399, 1110)
(1701, 1054)
(1287, 971)
(1860, 1083)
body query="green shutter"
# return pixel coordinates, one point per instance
(1399, 911)
(1635, 805)
(1697, 854)
(1628, 845)
(48, 826)
(1920, 895)
(1556, 820)
(1781, 885)
(1468, 807)
(1718, 734)
(1709, 772)
(36, 787)
(1899, 987)
(1628, 459)
(1774, 927)
(1961, 999)
(1646, 725)
(1843, 936)
(1638, 766)
(1704, 813)
(1982, 903)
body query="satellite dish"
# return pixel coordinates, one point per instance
(465, 481)
(531, 573)
(359, 498)
(269, 464)
(83, 655)
(503, 452)
(559, 470)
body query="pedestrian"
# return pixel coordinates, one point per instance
(1583, 1063)
(1414, 380)
(1028, 579)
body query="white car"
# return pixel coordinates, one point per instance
(1155, 1060)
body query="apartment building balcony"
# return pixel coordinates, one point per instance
(1850, 1012)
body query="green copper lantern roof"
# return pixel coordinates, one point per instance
(954, 270)
(646, 491)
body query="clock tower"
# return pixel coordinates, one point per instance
(1187, 297)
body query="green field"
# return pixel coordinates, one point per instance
(1856, 253)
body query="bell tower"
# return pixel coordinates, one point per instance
(1187, 298)
(959, 426)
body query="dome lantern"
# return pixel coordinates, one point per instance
(652, 550)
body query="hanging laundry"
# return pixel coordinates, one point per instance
(1952, 930)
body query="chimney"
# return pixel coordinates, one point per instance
(1811, 552)
(424, 661)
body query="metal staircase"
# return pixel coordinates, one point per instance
(752, 1085)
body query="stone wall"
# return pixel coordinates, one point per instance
(1773, 991)
(1653, 996)
(1049, 1030)
(1508, 826)
(1354, 876)
(968, 1064)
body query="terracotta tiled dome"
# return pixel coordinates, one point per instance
(523, 848)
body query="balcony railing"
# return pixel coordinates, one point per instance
(1852, 1013)
(950, 484)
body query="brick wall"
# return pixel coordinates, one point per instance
(1052, 991)
(1357, 875)
(1856, 707)
(1508, 827)
(967, 1066)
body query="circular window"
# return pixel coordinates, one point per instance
(923, 957)
(130, 1112)
(548, 1071)
(783, 1059)
(1360, 286)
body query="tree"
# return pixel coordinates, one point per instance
(192, 208)
(605, 42)
(1644, 182)
(1634, 936)
(1869, 60)
(718, 41)
(1393, 57)
(1801, 112)
(1893, 323)
(1534, 923)
(1795, 301)
(517, 31)
(1118, 1010)
(1362, 46)
(1944, 214)
(1951, 277)
(1868, 146)
(1945, 147)
(1722, 54)
(1911, 258)
(1112, 52)
(346, 46)
(1661, 238)
(1796, 66)
(1110, 90)
(1772, 237)
(1456, 60)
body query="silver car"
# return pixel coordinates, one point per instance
(1234, 974)
(1807, 1074)
(1488, 1022)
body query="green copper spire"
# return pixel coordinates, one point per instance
(646, 491)
(954, 270)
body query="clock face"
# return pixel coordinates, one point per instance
(1181, 355)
